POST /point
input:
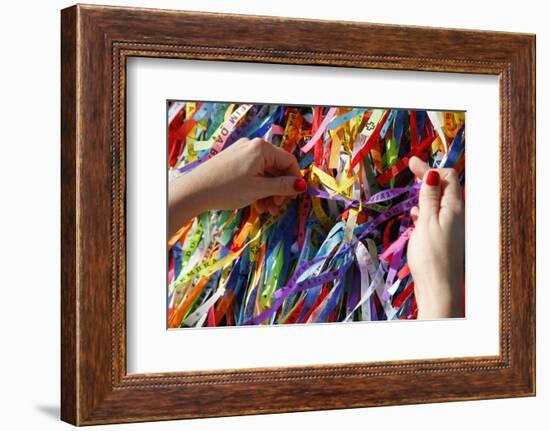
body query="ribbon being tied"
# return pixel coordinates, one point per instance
(336, 253)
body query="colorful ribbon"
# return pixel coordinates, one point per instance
(335, 253)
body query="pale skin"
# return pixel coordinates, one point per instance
(254, 172)
(248, 172)
(436, 247)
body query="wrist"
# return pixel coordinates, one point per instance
(186, 199)
(438, 300)
(198, 193)
(434, 306)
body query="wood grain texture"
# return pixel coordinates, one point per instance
(96, 41)
(69, 397)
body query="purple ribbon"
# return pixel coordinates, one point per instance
(382, 196)
(312, 191)
(295, 286)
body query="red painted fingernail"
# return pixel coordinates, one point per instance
(300, 185)
(433, 178)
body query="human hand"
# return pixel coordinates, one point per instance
(251, 171)
(435, 252)
(248, 172)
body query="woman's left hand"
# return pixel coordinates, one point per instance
(248, 172)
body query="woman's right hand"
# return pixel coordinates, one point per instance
(436, 247)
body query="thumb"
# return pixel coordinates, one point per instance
(430, 194)
(282, 186)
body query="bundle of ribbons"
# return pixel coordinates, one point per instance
(336, 253)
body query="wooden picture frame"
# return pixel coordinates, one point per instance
(95, 43)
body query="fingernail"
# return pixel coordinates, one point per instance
(300, 185)
(433, 178)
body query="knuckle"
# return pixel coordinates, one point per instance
(459, 207)
(281, 185)
(456, 206)
(240, 141)
(257, 144)
(429, 193)
(451, 174)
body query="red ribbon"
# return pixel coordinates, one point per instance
(403, 163)
(373, 139)
(177, 134)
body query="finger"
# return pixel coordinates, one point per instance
(451, 192)
(279, 200)
(414, 214)
(430, 195)
(261, 205)
(272, 208)
(257, 207)
(281, 186)
(418, 167)
(281, 161)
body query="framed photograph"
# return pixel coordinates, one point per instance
(329, 214)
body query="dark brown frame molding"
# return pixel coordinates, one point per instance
(95, 43)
